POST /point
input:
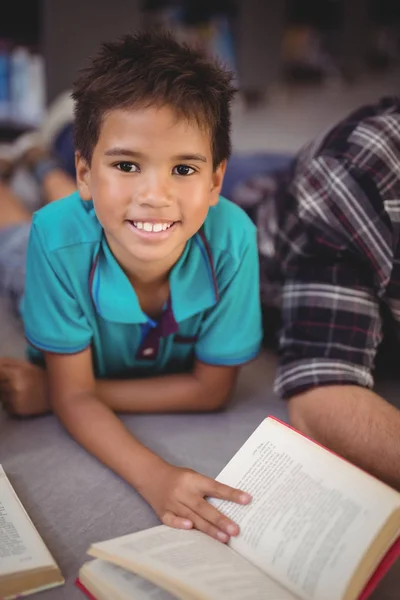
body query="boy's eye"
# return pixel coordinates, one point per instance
(127, 167)
(183, 170)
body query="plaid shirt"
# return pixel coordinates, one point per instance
(330, 250)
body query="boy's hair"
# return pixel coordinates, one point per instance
(153, 69)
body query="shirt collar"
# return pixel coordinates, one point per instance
(193, 285)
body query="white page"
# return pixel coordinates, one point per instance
(21, 548)
(312, 515)
(195, 560)
(125, 582)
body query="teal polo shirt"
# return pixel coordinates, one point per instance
(77, 295)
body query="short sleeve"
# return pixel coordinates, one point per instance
(231, 332)
(53, 319)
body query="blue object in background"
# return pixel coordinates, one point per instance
(4, 83)
(242, 167)
(63, 147)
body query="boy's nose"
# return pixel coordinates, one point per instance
(155, 193)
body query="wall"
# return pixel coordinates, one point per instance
(73, 30)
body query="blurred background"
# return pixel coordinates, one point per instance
(300, 64)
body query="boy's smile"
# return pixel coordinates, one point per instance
(152, 182)
(153, 229)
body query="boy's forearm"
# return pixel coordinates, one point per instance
(101, 433)
(169, 393)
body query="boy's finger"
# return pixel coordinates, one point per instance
(172, 520)
(214, 489)
(210, 514)
(205, 526)
(5, 374)
(8, 363)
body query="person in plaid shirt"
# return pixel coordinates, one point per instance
(329, 241)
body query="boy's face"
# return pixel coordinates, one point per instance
(152, 182)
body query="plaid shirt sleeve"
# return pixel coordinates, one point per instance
(335, 268)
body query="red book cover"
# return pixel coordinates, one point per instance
(388, 560)
(80, 585)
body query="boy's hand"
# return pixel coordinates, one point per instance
(23, 390)
(178, 495)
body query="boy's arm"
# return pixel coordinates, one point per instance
(206, 388)
(177, 495)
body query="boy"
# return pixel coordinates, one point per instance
(143, 272)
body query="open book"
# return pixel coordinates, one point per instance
(26, 566)
(318, 528)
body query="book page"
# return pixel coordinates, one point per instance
(21, 548)
(196, 563)
(122, 582)
(312, 516)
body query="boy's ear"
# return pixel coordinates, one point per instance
(217, 180)
(82, 176)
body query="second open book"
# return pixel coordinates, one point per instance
(318, 528)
